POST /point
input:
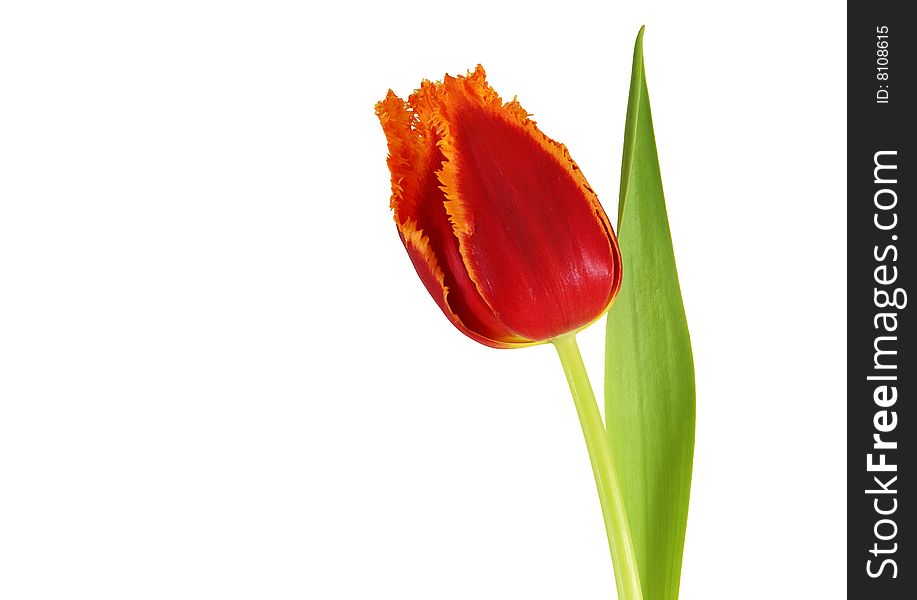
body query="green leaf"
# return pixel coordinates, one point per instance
(649, 370)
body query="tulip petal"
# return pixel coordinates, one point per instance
(531, 232)
(424, 226)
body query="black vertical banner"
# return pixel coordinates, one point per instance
(881, 362)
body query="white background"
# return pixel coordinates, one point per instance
(221, 378)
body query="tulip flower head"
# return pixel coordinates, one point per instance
(500, 223)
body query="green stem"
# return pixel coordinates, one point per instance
(623, 559)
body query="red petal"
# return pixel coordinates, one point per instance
(420, 214)
(533, 237)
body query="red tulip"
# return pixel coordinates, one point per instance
(502, 227)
